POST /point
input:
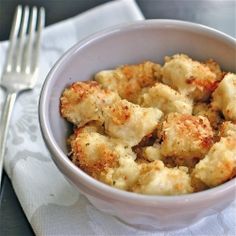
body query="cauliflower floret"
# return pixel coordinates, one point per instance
(156, 179)
(128, 80)
(224, 97)
(83, 102)
(105, 159)
(130, 122)
(185, 137)
(92, 152)
(124, 176)
(152, 153)
(189, 77)
(228, 129)
(204, 109)
(219, 165)
(215, 68)
(166, 99)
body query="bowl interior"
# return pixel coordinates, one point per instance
(150, 40)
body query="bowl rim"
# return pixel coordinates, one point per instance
(58, 155)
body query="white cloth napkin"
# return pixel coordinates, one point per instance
(52, 206)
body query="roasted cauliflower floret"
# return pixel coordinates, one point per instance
(166, 99)
(185, 137)
(224, 97)
(83, 102)
(156, 179)
(130, 122)
(189, 77)
(219, 165)
(92, 152)
(129, 80)
(215, 68)
(204, 109)
(152, 153)
(228, 129)
(124, 176)
(105, 159)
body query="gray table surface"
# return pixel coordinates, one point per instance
(219, 14)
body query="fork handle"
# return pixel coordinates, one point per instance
(4, 125)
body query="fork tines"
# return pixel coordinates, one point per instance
(25, 39)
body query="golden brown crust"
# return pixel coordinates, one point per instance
(76, 93)
(215, 68)
(195, 79)
(83, 102)
(204, 109)
(120, 114)
(81, 141)
(128, 80)
(185, 137)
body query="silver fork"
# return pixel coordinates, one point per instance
(21, 67)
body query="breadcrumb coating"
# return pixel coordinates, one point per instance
(206, 110)
(166, 99)
(219, 165)
(224, 97)
(189, 77)
(228, 128)
(103, 158)
(128, 80)
(83, 102)
(185, 137)
(215, 68)
(92, 151)
(130, 122)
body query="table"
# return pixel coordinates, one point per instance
(219, 14)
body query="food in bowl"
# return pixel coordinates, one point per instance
(125, 45)
(152, 129)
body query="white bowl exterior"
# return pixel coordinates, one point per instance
(157, 218)
(159, 215)
(149, 40)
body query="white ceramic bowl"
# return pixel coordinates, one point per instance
(133, 43)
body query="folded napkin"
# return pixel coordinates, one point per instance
(51, 204)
